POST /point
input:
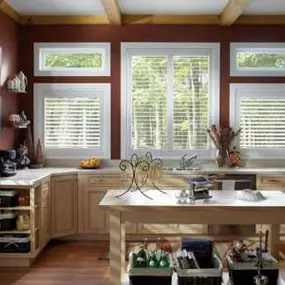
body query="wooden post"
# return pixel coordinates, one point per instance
(274, 240)
(117, 248)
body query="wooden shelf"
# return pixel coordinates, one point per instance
(14, 91)
(16, 232)
(16, 255)
(23, 208)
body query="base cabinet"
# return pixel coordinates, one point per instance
(91, 189)
(45, 225)
(64, 205)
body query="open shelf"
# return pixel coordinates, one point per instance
(17, 255)
(15, 232)
(19, 208)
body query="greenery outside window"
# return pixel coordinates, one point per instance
(170, 96)
(72, 59)
(257, 59)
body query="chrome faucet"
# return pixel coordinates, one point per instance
(186, 162)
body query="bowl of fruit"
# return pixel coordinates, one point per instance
(91, 163)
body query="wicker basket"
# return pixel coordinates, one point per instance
(242, 273)
(203, 276)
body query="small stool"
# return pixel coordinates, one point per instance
(232, 230)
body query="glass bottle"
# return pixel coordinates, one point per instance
(164, 262)
(152, 261)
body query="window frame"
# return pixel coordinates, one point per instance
(236, 47)
(104, 95)
(129, 49)
(242, 90)
(41, 48)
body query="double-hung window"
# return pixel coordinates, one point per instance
(73, 120)
(259, 109)
(170, 96)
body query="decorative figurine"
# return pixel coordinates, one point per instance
(22, 159)
(39, 156)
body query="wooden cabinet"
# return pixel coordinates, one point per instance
(270, 182)
(92, 188)
(44, 213)
(64, 205)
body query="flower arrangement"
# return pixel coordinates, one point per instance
(222, 137)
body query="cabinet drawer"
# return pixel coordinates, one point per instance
(104, 180)
(58, 178)
(271, 182)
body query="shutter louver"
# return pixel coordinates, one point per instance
(191, 102)
(72, 122)
(263, 123)
(149, 102)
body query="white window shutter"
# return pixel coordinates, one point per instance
(72, 123)
(263, 123)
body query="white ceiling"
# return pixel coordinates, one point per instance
(266, 7)
(57, 7)
(175, 7)
(158, 7)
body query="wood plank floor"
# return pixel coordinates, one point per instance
(64, 263)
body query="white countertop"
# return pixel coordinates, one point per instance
(29, 177)
(168, 199)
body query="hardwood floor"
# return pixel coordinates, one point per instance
(64, 263)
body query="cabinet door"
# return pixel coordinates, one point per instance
(64, 205)
(45, 213)
(95, 219)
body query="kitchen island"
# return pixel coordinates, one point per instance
(223, 208)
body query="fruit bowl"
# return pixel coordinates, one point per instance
(91, 163)
(90, 167)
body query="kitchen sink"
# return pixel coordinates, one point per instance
(181, 169)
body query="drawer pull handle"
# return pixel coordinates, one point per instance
(274, 181)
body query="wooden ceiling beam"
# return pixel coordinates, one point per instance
(232, 11)
(113, 12)
(171, 19)
(8, 10)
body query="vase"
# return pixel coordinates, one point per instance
(222, 156)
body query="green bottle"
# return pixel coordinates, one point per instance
(164, 262)
(152, 261)
(141, 258)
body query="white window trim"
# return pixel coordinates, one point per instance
(238, 71)
(104, 48)
(251, 90)
(68, 153)
(128, 49)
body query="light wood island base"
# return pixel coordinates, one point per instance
(223, 209)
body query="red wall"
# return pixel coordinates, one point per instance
(8, 67)
(141, 33)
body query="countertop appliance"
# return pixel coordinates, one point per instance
(7, 162)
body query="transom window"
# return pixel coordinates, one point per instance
(72, 59)
(170, 95)
(257, 59)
